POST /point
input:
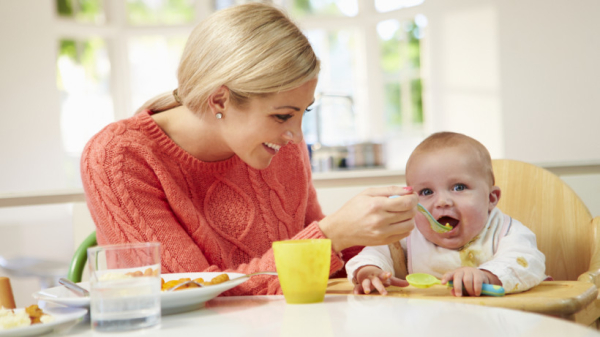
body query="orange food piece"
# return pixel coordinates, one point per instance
(34, 313)
(170, 284)
(219, 279)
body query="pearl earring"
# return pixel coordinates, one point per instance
(219, 115)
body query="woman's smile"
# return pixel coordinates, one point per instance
(272, 148)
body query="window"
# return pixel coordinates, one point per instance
(390, 5)
(84, 11)
(159, 12)
(109, 67)
(303, 8)
(84, 83)
(400, 65)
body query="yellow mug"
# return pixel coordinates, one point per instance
(303, 269)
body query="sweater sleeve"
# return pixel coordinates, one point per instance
(517, 262)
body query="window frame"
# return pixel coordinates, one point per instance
(369, 100)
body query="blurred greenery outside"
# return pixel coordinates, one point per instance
(139, 12)
(402, 53)
(170, 12)
(83, 53)
(303, 8)
(90, 11)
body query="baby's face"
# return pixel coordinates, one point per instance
(455, 189)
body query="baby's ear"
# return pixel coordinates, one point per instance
(494, 197)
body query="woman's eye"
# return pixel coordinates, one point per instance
(308, 110)
(283, 118)
(426, 192)
(459, 187)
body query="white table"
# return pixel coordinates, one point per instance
(341, 315)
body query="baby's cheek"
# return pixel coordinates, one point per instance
(427, 232)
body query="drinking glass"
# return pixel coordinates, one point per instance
(303, 269)
(125, 286)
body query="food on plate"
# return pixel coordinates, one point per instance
(31, 315)
(121, 276)
(147, 272)
(170, 284)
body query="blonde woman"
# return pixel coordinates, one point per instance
(218, 170)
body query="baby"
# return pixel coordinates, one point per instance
(452, 174)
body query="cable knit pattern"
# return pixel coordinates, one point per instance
(209, 216)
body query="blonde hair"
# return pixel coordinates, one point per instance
(445, 140)
(253, 49)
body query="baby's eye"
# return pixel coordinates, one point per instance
(426, 192)
(459, 187)
(283, 118)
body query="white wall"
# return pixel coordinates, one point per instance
(549, 58)
(520, 76)
(464, 74)
(31, 155)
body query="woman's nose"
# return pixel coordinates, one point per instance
(294, 135)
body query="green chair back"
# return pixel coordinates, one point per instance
(80, 258)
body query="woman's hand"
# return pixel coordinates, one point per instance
(470, 279)
(370, 278)
(371, 218)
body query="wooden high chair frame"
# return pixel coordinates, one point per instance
(565, 230)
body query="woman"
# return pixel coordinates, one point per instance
(217, 170)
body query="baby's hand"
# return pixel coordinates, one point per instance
(470, 279)
(373, 278)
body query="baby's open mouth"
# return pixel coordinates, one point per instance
(448, 220)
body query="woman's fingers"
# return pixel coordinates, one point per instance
(371, 218)
(387, 191)
(403, 203)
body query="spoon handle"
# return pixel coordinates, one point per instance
(486, 289)
(74, 287)
(257, 273)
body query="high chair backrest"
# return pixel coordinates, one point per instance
(80, 258)
(564, 228)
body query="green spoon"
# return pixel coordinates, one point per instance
(435, 225)
(422, 280)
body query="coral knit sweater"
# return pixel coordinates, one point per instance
(209, 216)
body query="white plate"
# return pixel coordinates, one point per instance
(63, 318)
(171, 302)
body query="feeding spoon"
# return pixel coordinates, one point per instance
(435, 225)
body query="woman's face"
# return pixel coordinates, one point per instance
(258, 130)
(455, 189)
